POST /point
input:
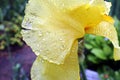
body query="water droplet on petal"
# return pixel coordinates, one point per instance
(40, 50)
(38, 45)
(27, 24)
(37, 52)
(40, 34)
(25, 31)
(43, 39)
(62, 47)
(60, 39)
(73, 50)
(63, 4)
(47, 32)
(47, 51)
(91, 1)
(42, 60)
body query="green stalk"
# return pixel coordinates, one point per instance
(8, 47)
(83, 71)
(82, 58)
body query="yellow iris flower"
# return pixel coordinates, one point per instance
(54, 27)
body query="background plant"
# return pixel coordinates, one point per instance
(11, 15)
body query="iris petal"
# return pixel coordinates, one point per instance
(44, 70)
(52, 29)
(107, 30)
(50, 36)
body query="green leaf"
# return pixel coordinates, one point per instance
(92, 59)
(93, 43)
(88, 46)
(99, 53)
(107, 50)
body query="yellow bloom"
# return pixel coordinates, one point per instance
(54, 27)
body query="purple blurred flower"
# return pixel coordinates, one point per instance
(91, 75)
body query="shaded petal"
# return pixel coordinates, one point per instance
(107, 30)
(90, 14)
(44, 70)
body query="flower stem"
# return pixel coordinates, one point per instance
(83, 71)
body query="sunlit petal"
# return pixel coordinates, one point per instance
(50, 36)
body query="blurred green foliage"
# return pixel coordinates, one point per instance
(12, 32)
(11, 15)
(98, 49)
(109, 74)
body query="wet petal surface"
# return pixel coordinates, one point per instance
(44, 70)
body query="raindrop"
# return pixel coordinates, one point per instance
(25, 31)
(63, 4)
(61, 39)
(28, 23)
(91, 2)
(40, 50)
(47, 32)
(28, 36)
(73, 50)
(47, 51)
(37, 52)
(42, 60)
(62, 47)
(38, 45)
(40, 34)
(43, 39)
